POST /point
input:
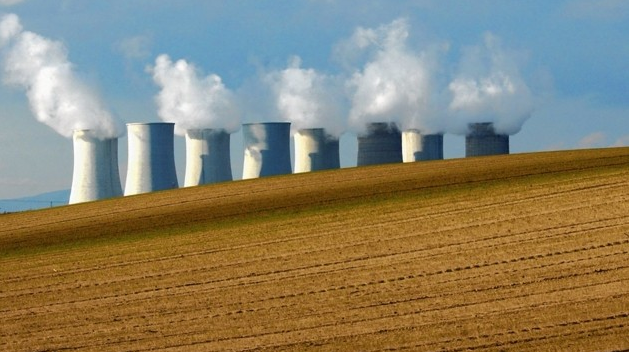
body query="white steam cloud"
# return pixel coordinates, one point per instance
(192, 101)
(10, 27)
(10, 2)
(57, 97)
(396, 85)
(308, 99)
(489, 88)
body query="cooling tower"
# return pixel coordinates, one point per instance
(315, 150)
(151, 158)
(381, 145)
(207, 157)
(482, 140)
(418, 147)
(95, 174)
(267, 149)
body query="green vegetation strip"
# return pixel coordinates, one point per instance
(223, 205)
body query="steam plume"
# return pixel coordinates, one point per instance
(57, 97)
(308, 99)
(396, 85)
(191, 101)
(489, 88)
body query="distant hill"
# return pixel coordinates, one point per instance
(40, 201)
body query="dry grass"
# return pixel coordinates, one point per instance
(522, 252)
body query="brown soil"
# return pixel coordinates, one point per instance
(520, 252)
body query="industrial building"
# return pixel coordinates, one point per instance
(315, 150)
(267, 149)
(421, 147)
(207, 157)
(382, 144)
(95, 175)
(151, 159)
(482, 139)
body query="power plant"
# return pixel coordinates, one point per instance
(315, 150)
(151, 161)
(481, 139)
(267, 149)
(420, 147)
(207, 157)
(95, 174)
(151, 158)
(381, 145)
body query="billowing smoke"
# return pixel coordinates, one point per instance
(192, 101)
(307, 98)
(56, 95)
(396, 84)
(489, 88)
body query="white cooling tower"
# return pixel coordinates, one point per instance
(419, 147)
(95, 174)
(315, 150)
(207, 157)
(381, 145)
(267, 149)
(482, 139)
(151, 158)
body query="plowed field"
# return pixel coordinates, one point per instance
(520, 252)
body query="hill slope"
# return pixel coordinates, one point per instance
(514, 252)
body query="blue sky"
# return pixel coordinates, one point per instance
(573, 55)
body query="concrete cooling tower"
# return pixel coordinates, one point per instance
(315, 150)
(267, 149)
(207, 157)
(419, 147)
(381, 145)
(95, 174)
(151, 158)
(482, 140)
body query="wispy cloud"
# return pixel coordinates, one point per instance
(10, 182)
(598, 9)
(136, 47)
(621, 141)
(10, 2)
(592, 140)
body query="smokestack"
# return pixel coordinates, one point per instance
(420, 147)
(267, 149)
(95, 173)
(381, 145)
(315, 150)
(482, 139)
(207, 157)
(151, 158)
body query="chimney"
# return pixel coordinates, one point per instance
(207, 157)
(482, 139)
(151, 158)
(420, 147)
(381, 145)
(267, 149)
(95, 174)
(315, 150)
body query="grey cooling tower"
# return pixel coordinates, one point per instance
(418, 147)
(95, 174)
(207, 157)
(381, 145)
(267, 149)
(482, 140)
(315, 150)
(151, 158)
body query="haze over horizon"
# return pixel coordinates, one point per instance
(559, 69)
